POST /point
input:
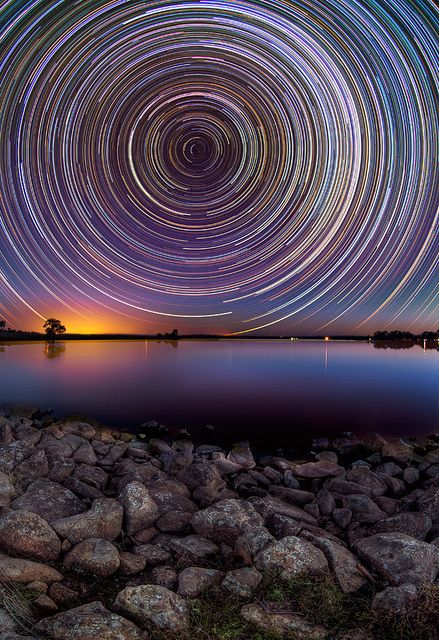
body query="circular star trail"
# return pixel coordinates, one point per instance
(226, 165)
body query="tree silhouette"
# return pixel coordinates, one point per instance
(2, 325)
(53, 327)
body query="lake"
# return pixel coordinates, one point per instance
(275, 392)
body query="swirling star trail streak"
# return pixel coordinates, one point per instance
(219, 166)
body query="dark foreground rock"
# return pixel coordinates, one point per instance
(124, 538)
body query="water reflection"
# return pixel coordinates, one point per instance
(54, 349)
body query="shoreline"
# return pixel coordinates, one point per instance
(97, 526)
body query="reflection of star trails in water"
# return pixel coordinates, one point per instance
(233, 165)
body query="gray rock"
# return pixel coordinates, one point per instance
(156, 605)
(291, 556)
(192, 581)
(400, 559)
(282, 625)
(23, 533)
(102, 520)
(49, 500)
(140, 509)
(225, 521)
(89, 622)
(95, 556)
(242, 582)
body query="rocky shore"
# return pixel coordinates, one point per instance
(105, 536)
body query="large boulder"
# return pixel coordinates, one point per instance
(201, 475)
(343, 564)
(281, 625)
(399, 558)
(140, 509)
(290, 557)
(19, 570)
(413, 524)
(13, 453)
(394, 600)
(103, 520)
(363, 509)
(156, 605)
(226, 520)
(49, 500)
(23, 533)
(89, 622)
(95, 556)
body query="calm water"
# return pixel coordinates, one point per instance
(268, 390)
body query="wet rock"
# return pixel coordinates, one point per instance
(102, 520)
(343, 564)
(225, 521)
(291, 556)
(156, 605)
(192, 581)
(140, 509)
(153, 554)
(397, 450)
(194, 548)
(95, 556)
(241, 454)
(416, 525)
(393, 600)
(242, 582)
(49, 499)
(282, 625)
(165, 577)
(363, 508)
(90, 621)
(25, 571)
(399, 558)
(26, 534)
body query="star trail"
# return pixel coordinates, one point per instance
(219, 166)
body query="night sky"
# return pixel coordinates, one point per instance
(214, 166)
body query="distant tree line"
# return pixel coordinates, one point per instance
(403, 336)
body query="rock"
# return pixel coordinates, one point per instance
(174, 522)
(131, 564)
(365, 478)
(168, 498)
(389, 469)
(49, 500)
(156, 605)
(295, 496)
(23, 533)
(44, 605)
(55, 447)
(282, 625)
(413, 524)
(5, 431)
(252, 542)
(201, 475)
(242, 455)
(391, 506)
(95, 556)
(78, 428)
(428, 503)
(7, 622)
(14, 453)
(363, 508)
(276, 476)
(242, 582)
(28, 434)
(116, 453)
(343, 564)
(92, 475)
(25, 571)
(140, 509)
(399, 558)
(394, 600)
(281, 526)
(103, 520)
(325, 502)
(85, 454)
(291, 556)
(397, 450)
(153, 554)
(320, 469)
(165, 577)
(226, 520)
(7, 490)
(89, 622)
(36, 466)
(194, 548)
(269, 505)
(60, 469)
(290, 480)
(192, 581)
(61, 594)
(143, 536)
(342, 517)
